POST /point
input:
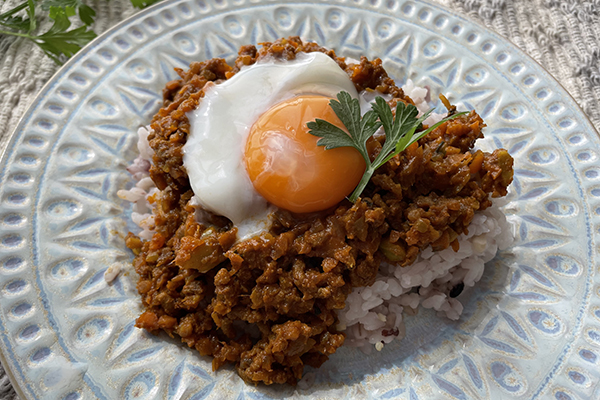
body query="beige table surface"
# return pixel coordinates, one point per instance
(562, 35)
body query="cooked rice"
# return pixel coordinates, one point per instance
(375, 315)
(112, 272)
(144, 188)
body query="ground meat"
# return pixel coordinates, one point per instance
(268, 304)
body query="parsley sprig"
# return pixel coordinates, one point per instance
(60, 41)
(400, 131)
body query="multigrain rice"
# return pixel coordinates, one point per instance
(143, 190)
(374, 315)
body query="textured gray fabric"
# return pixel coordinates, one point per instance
(562, 35)
(6, 390)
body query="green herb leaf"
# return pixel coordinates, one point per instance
(57, 13)
(360, 129)
(8, 19)
(331, 136)
(17, 23)
(58, 40)
(143, 3)
(86, 14)
(396, 129)
(400, 131)
(31, 14)
(71, 8)
(9, 14)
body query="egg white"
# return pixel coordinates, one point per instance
(219, 128)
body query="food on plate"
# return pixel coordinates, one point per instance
(272, 272)
(232, 136)
(274, 152)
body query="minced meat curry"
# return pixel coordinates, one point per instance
(268, 304)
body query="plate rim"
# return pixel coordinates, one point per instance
(29, 111)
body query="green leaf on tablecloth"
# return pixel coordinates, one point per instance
(10, 20)
(58, 40)
(143, 3)
(71, 7)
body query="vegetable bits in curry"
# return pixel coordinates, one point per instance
(268, 303)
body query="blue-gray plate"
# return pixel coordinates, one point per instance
(531, 328)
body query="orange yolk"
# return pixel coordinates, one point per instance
(287, 167)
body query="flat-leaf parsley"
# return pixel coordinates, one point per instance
(400, 132)
(58, 42)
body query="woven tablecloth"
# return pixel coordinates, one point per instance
(562, 35)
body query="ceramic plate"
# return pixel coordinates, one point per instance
(531, 328)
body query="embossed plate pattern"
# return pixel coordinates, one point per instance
(531, 329)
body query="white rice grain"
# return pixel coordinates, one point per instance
(112, 272)
(143, 146)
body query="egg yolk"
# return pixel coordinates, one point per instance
(287, 167)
